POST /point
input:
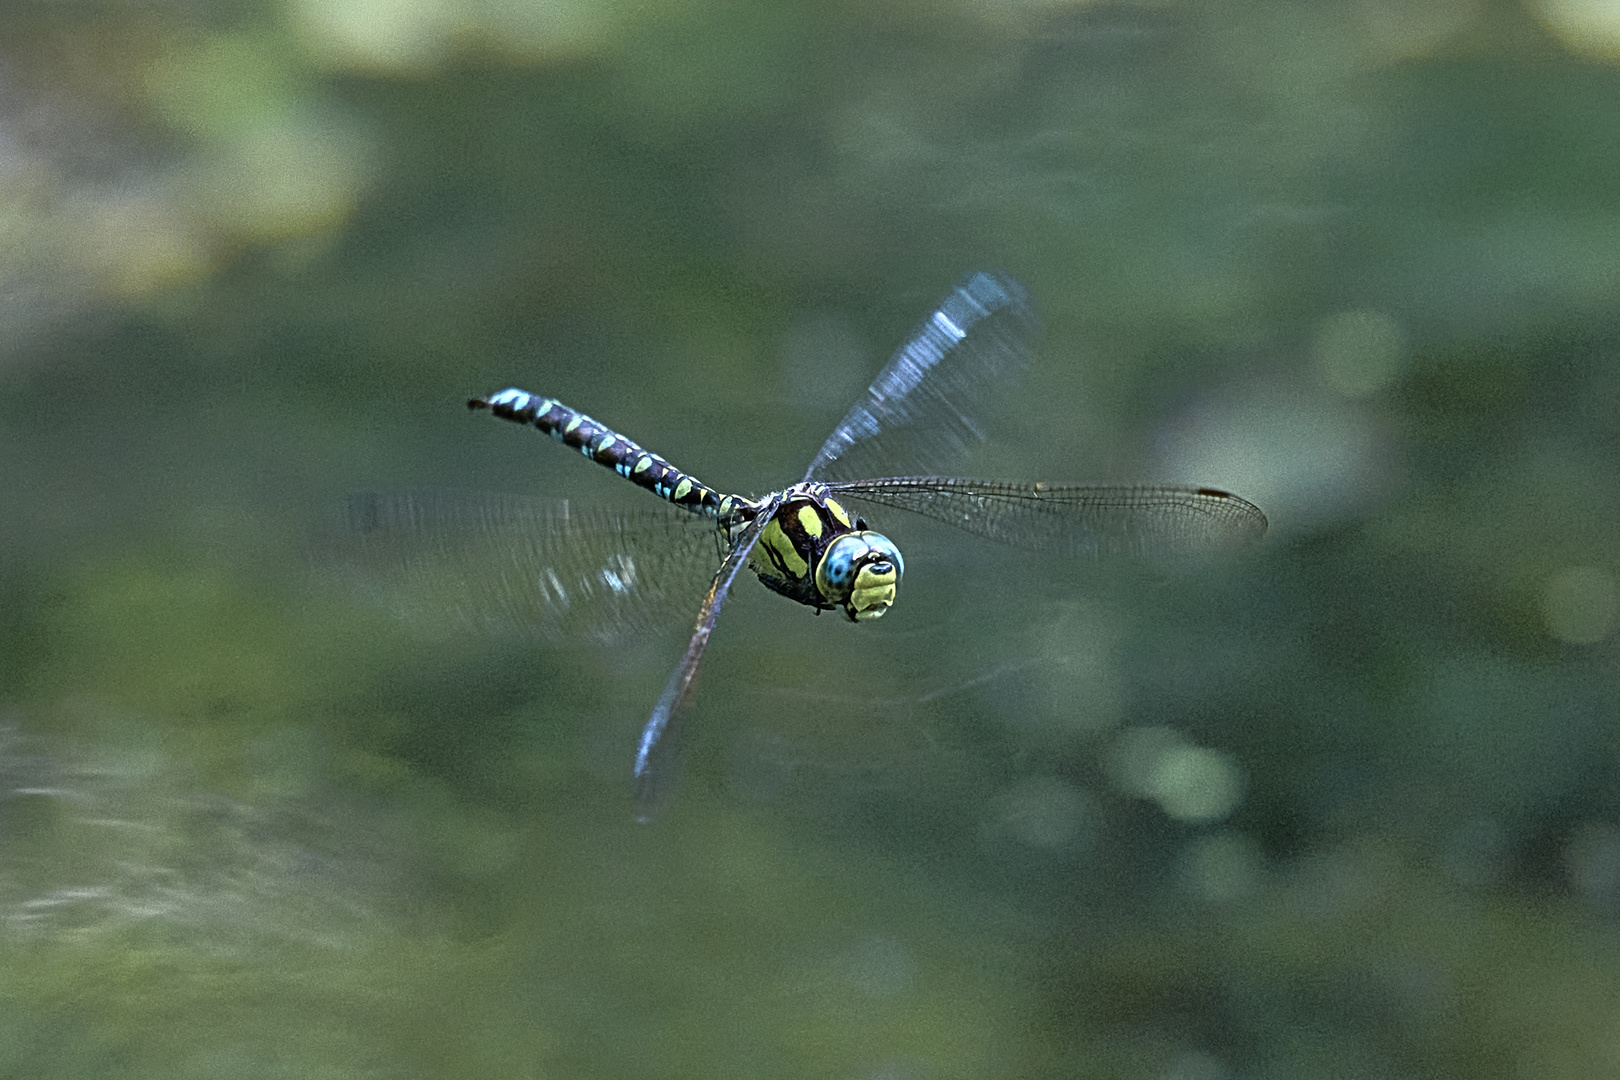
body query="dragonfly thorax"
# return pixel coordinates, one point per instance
(813, 552)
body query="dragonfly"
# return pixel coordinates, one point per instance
(596, 571)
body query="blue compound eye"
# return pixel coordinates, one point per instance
(837, 569)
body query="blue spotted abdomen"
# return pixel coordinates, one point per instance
(607, 447)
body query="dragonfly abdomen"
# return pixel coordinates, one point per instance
(607, 447)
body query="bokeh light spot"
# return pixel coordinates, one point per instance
(378, 36)
(1190, 783)
(1591, 27)
(1194, 783)
(296, 176)
(219, 83)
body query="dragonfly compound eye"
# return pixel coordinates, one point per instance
(859, 572)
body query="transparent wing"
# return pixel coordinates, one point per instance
(928, 403)
(516, 566)
(659, 751)
(1074, 519)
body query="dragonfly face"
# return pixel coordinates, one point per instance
(860, 571)
(812, 551)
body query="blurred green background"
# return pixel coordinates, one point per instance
(1345, 808)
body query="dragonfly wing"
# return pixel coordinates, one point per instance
(1075, 519)
(928, 403)
(517, 566)
(659, 751)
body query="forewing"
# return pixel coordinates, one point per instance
(1075, 519)
(928, 404)
(658, 754)
(517, 566)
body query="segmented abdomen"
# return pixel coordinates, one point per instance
(607, 447)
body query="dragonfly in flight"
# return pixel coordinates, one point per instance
(809, 542)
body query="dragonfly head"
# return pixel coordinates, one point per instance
(859, 572)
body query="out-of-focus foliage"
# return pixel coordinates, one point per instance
(1345, 808)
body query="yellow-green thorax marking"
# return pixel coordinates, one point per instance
(813, 552)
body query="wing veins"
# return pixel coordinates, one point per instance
(659, 749)
(1091, 519)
